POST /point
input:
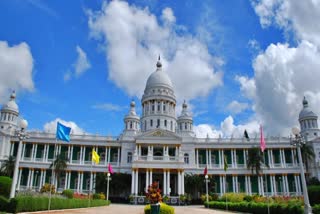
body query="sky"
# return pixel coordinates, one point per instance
(237, 63)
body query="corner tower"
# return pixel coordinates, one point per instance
(158, 102)
(9, 114)
(308, 121)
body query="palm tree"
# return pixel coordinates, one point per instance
(307, 153)
(255, 160)
(59, 165)
(8, 166)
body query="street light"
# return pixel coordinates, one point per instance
(299, 141)
(22, 135)
(207, 195)
(108, 179)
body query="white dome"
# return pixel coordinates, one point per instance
(11, 104)
(306, 112)
(159, 78)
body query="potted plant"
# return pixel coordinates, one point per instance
(154, 197)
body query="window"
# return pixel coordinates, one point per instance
(130, 125)
(185, 126)
(158, 106)
(158, 123)
(165, 123)
(180, 126)
(186, 158)
(164, 107)
(129, 157)
(152, 106)
(171, 125)
(151, 123)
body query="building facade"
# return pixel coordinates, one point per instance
(159, 146)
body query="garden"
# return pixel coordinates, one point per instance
(46, 199)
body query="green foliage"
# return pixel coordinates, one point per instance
(3, 203)
(233, 197)
(59, 165)
(8, 166)
(313, 181)
(5, 186)
(98, 196)
(248, 198)
(164, 209)
(255, 160)
(68, 193)
(314, 194)
(257, 208)
(47, 187)
(316, 209)
(31, 204)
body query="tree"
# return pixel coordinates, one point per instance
(8, 166)
(307, 153)
(59, 165)
(255, 160)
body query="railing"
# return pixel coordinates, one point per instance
(158, 158)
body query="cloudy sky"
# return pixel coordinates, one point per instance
(237, 63)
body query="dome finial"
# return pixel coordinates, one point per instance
(159, 65)
(13, 95)
(304, 102)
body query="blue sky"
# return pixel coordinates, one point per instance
(82, 62)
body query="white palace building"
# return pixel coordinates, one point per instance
(158, 145)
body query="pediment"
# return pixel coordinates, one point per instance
(158, 135)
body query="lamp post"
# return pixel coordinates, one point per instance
(207, 181)
(22, 135)
(298, 141)
(108, 179)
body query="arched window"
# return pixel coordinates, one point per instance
(131, 125)
(186, 158)
(165, 123)
(129, 157)
(151, 123)
(164, 106)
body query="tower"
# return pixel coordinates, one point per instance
(308, 121)
(9, 115)
(132, 120)
(185, 121)
(158, 102)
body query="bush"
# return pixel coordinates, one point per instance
(233, 197)
(5, 186)
(3, 203)
(314, 194)
(316, 209)
(257, 208)
(68, 193)
(47, 187)
(164, 209)
(99, 196)
(29, 204)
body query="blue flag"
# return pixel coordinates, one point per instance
(63, 132)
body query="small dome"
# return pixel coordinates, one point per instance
(306, 112)
(11, 105)
(159, 78)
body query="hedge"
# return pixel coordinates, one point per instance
(256, 208)
(314, 194)
(164, 209)
(5, 186)
(29, 204)
(316, 209)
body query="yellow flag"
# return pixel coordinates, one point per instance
(95, 157)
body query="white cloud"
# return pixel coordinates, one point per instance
(16, 66)
(82, 64)
(247, 86)
(297, 16)
(168, 16)
(227, 129)
(51, 126)
(134, 39)
(108, 107)
(236, 107)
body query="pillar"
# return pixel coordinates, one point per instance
(137, 182)
(164, 182)
(147, 180)
(132, 182)
(168, 179)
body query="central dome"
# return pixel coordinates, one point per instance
(159, 78)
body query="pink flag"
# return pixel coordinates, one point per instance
(110, 169)
(262, 142)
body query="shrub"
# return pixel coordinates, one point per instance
(3, 203)
(68, 193)
(314, 194)
(316, 209)
(47, 187)
(164, 209)
(5, 186)
(248, 198)
(233, 197)
(27, 203)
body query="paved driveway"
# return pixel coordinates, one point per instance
(135, 209)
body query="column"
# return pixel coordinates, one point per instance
(31, 179)
(118, 161)
(19, 179)
(221, 183)
(106, 156)
(109, 152)
(299, 185)
(132, 182)
(292, 158)
(210, 159)
(164, 182)
(246, 184)
(94, 182)
(236, 183)
(91, 181)
(81, 182)
(66, 180)
(80, 157)
(32, 152)
(249, 185)
(44, 177)
(71, 154)
(150, 180)
(182, 182)
(69, 180)
(245, 158)
(207, 157)
(137, 182)
(23, 150)
(179, 183)
(168, 179)
(79, 177)
(69, 150)
(35, 152)
(147, 180)
(44, 153)
(197, 158)
(47, 152)
(281, 158)
(11, 148)
(84, 156)
(220, 159)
